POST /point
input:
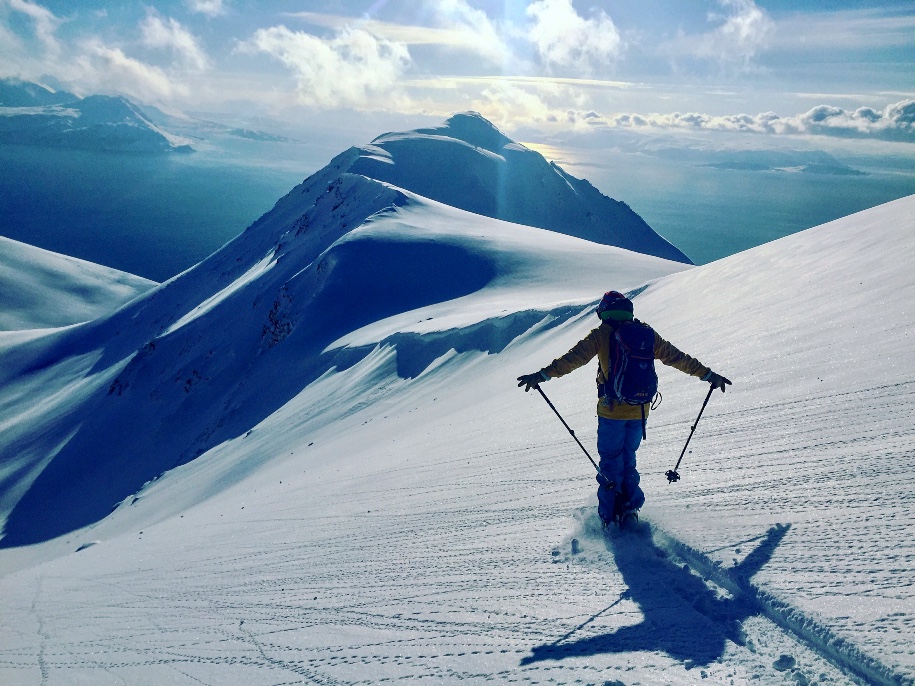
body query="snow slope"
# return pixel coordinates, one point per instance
(41, 289)
(318, 466)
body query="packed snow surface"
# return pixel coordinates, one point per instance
(307, 460)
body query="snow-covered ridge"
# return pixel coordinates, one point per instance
(341, 264)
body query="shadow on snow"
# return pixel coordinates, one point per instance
(683, 617)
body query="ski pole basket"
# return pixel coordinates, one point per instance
(672, 474)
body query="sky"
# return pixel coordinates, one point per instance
(824, 68)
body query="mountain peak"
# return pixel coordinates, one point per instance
(469, 164)
(18, 93)
(475, 129)
(469, 127)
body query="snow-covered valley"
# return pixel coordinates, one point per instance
(306, 460)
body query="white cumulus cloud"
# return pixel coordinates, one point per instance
(90, 65)
(170, 35)
(565, 39)
(101, 68)
(211, 8)
(895, 122)
(349, 69)
(472, 29)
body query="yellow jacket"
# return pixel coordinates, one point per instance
(598, 343)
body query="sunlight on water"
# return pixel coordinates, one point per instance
(710, 213)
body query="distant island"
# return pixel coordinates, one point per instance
(792, 161)
(830, 167)
(835, 170)
(253, 135)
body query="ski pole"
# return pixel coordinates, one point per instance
(606, 481)
(672, 474)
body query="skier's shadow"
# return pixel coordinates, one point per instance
(682, 616)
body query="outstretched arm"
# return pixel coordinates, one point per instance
(582, 353)
(667, 353)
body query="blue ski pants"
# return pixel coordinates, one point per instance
(617, 442)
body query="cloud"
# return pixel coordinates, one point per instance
(566, 40)
(744, 32)
(10, 47)
(100, 67)
(89, 65)
(457, 26)
(45, 23)
(472, 29)
(346, 70)
(506, 105)
(211, 8)
(895, 122)
(171, 35)
(867, 29)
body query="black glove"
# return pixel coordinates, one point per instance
(530, 381)
(716, 380)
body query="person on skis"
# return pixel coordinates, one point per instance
(621, 424)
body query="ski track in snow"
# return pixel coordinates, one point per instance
(863, 482)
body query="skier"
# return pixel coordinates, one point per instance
(621, 425)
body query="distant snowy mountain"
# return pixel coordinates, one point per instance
(40, 289)
(97, 122)
(17, 93)
(468, 163)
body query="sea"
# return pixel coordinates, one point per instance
(710, 213)
(155, 216)
(151, 215)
